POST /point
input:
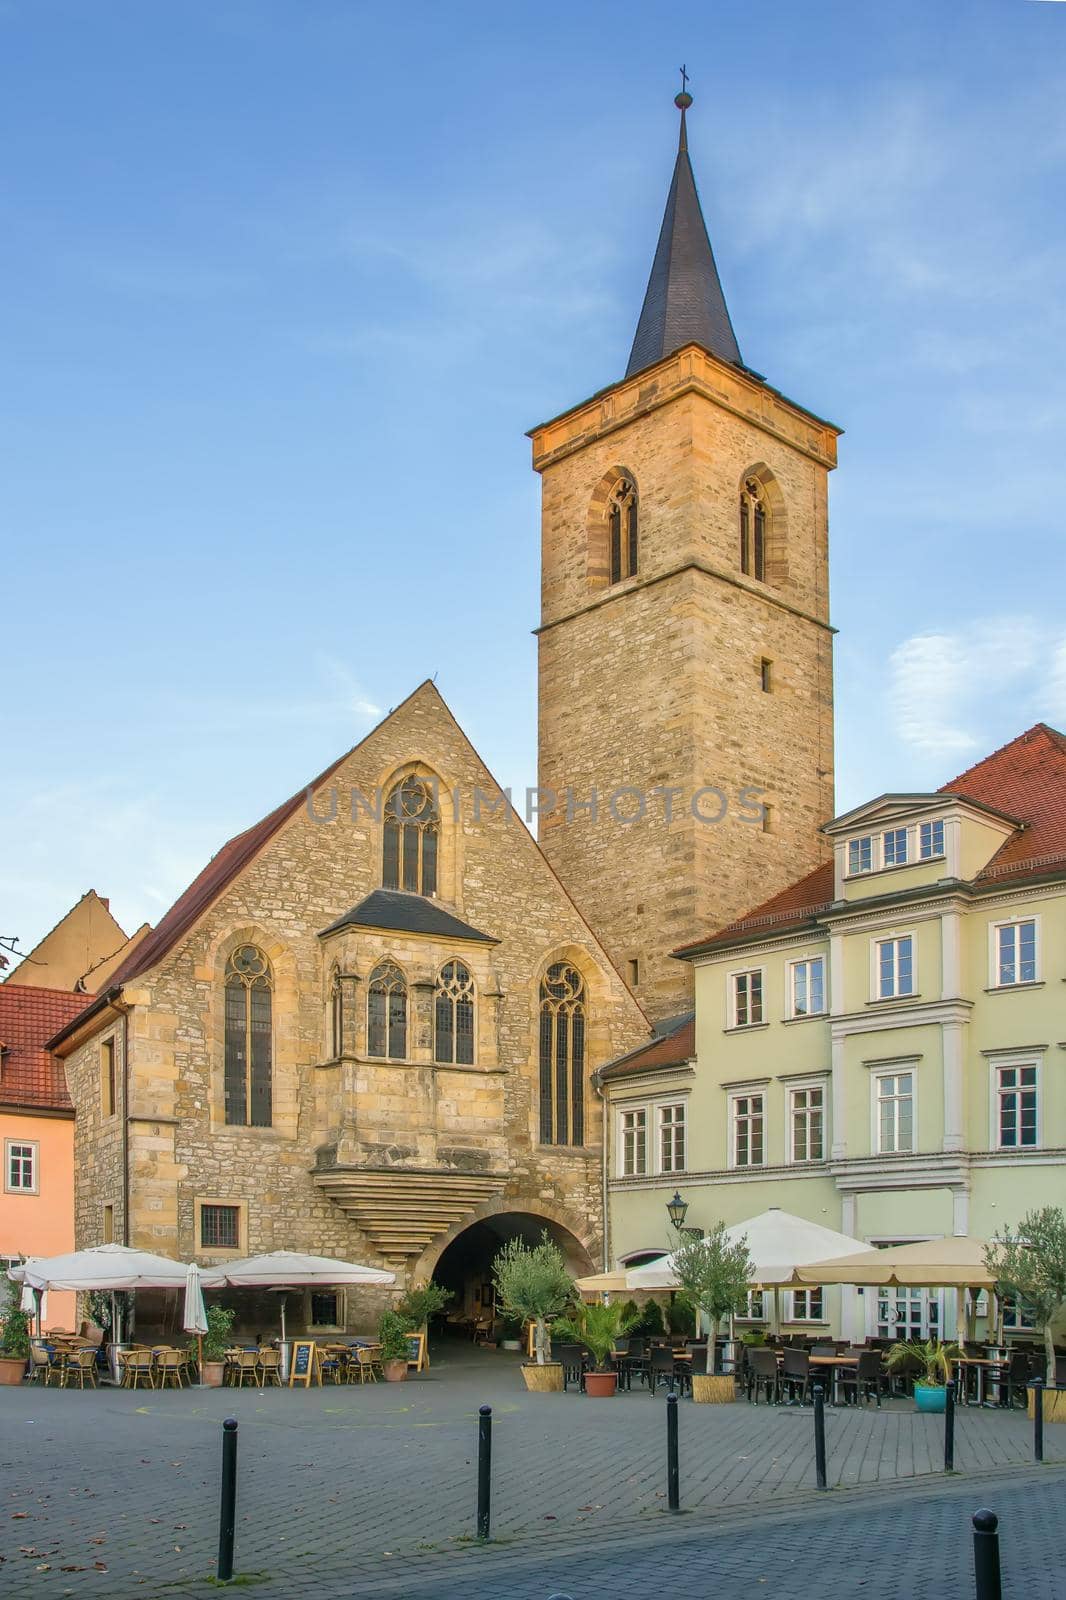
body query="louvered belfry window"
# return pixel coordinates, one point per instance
(386, 1013)
(412, 832)
(622, 523)
(753, 530)
(562, 1056)
(453, 1015)
(249, 1038)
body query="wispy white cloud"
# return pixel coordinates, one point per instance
(954, 692)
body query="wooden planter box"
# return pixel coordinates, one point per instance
(716, 1391)
(1054, 1404)
(547, 1379)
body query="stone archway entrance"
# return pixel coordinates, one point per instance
(465, 1265)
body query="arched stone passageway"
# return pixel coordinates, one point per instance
(465, 1264)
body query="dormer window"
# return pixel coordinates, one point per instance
(860, 855)
(931, 840)
(894, 841)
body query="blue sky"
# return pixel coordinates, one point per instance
(284, 282)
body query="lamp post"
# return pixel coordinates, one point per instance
(677, 1211)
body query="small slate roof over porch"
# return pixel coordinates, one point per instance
(402, 912)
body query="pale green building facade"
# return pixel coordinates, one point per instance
(881, 1049)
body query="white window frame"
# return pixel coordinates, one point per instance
(933, 855)
(624, 1133)
(821, 1084)
(1016, 1316)
(675, 1125)
(807, 961)
(894, 834)
(994, 928)
(750, 1313)
(875, 1109)
(33, 1146)
(875, 965)
(862, 872)
(749, 973)
(735, 1098)
(997, 1064)
(652, 1112)
(805, 1297)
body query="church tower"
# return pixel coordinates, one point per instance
(685, 670)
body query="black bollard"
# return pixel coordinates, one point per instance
(673, 1475)
(819, 1437)
(1037, 1387)
(986, 1556)
(949, 1427)
(484, 1470)
(228, 1512)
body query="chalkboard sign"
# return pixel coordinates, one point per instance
(304, 1364)
(417, 1355)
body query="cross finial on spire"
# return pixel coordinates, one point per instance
(682, 101)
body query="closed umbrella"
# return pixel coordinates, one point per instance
(195, 1314)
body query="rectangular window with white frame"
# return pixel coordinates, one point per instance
(755, 1309)
(806, 987)
(1018, 1314)
(808, 1305)
(894, 1112)
(748, 1119)
(806, 1107)
(860, 856)
(672, 1138)
(20, 1166)
(747, 998)
(894, 967)
(930, 840)
(634, 1142)
(1016, 1105)
(1014, 953)
(894, 847)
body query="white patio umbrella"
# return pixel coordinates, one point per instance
(195, 1313)
(102, 1267)
(289, 1269)
(955, 1261)
(778, 1243)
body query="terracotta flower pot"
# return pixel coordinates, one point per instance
(601, 1385)
(395, 1371)
(717, 1390)
(547, 1379)
(12, 1369)
(213, 1373)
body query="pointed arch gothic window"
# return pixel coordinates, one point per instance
(412, 834)
(453, 1015)
(336, 1016)
(623, 530)
(249, 1038)
(386, 1013)
(562, 1055)
(753, 529)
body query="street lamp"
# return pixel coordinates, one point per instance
(677, 1210)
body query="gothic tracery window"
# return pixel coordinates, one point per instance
(412, 833)
(753, 525)
(453, 1015)
(249, 1038)
(386, 1013)
(562, 1055)
(336, 1017)
(622, 526)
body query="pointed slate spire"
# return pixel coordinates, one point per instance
(683, 303)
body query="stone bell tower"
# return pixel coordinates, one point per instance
(685, 676)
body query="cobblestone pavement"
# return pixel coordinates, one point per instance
(116, 1494)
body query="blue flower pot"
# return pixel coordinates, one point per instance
(930, 1399)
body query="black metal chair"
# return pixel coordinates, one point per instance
(868, 1376)
(635, 1361)
(662, 1368)
(796, 1374)
(762, 1374)
(572, 1359)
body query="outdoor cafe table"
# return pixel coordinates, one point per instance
(983, 1366)
(835, 1363)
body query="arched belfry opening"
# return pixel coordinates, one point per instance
(465, 1265)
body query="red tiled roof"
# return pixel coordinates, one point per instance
(672, 1050)
(29, 1016)
(1025, 779)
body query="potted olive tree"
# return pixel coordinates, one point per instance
(597, 1327)
(1031, 1263)
(422, 1302)
(14, 1339)
(392, 1335)
(934, 1369)
(532, 1283)
(216, 1342)
(714, 1273)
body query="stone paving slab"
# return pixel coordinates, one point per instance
(348, 1481)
